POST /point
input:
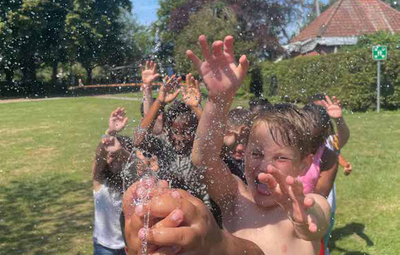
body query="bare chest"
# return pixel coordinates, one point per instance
(270, 230)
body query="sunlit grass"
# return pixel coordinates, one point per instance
(46, 204)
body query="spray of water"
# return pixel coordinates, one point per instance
(130, 174)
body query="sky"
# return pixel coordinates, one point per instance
(145, 10)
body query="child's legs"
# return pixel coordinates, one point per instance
(99, 249)
(332, 202)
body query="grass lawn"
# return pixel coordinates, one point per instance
(46, 204)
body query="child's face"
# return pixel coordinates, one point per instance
(181, 135)
(115, 165)
(262, 151)
(234, 140)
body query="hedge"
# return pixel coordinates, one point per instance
(351, 76)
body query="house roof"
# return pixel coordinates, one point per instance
(350, 18)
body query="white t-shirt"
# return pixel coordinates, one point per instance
(107, 227)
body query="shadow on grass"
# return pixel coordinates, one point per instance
(43, 215)
(346, 231)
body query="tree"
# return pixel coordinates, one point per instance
(259, 21)
(94, 29)
(32, 33)
(215, 21)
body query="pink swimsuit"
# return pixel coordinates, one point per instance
(310, 178)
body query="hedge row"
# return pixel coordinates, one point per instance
(351, 76)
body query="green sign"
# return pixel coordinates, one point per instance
(379, 52)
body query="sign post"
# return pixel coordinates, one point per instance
(379, 53)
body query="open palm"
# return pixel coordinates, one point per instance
(118, 120)
(191, 93)
(111, 144)
(149, 73)
(219, 71)
(332, 107)
(168, 91)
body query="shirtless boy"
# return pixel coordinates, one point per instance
(272, 210)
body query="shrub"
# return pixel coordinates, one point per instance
(351, 76)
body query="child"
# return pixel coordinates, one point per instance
(334, 143)
(174, 151)
(108, 188)
(325, 160)
(272, 210)
(235, 140)
(149, 75)
(258, 104)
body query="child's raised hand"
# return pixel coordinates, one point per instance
(117, 121)
(219, 71)
(111, 144)
(332, 107)
(191, 92)
(149, 74)
(295, 203)
(169, 90)
(347, 169)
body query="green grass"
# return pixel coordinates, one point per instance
(47, 147)
(46, 203)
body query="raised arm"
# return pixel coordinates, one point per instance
(222, 78)
(168, 93)
(98, 166)
(329, 167)
(117, 121)
(335, 112)
(110, 152)
(191, 95)
(149, 74)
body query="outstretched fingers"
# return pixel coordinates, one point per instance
(300, 203)
(228, 45)
(195, 60)
(328, 99)
(189, 78)
(243, 67)
(280, 179)
(204, 47)
(268, 179)
(217, 48)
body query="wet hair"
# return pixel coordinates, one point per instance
(259, 103)
(115, 180)
(316, 97)
(179, 109)
(288, 125)
(238, 117)
(321, 124)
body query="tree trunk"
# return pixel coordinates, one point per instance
(54, 73)
(9, 75)
(29, 76)
(89, 75)
(29, 71)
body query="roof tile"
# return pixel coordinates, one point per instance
(347, 18)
